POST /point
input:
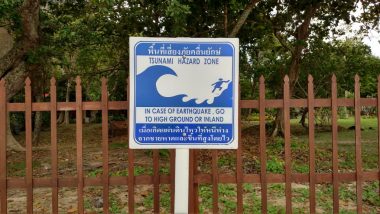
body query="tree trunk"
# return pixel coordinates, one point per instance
(302, 34)
(60, 117)
(225, 19)
(29, 12)
(67, 113)
(243, 17)
(37, 123)
(303, 118)
(12, 143)
(93, 116)
(278, 129)
(12, 65)
(37, 76)
(15, 83)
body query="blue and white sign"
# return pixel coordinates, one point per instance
(183, 92)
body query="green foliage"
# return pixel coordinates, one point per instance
(95, 173)
(9, 16)
(226, 195)
(165, 200)
(16, 168)
(114, 205)
(178, 12)
(118, 145)
(344, 59)
(148, 201)
(371, 193)
(275, 165)
(205, 193)
(90, 39)
(227, 161)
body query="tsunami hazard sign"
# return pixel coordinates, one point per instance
(183, 92)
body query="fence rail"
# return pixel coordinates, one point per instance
(196, 178)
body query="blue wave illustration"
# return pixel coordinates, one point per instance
(147, 95)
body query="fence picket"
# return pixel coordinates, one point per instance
(358, 149)
(172, 179)
(288, 160)
(131, 181)
(156, 180)
(215, 181)
(131, 168)
(105, 176)
(193, 185)
(263, 155)
(28, 146)
(310, 103)
(79, 139)
(239, 165)
(54, 146)
(3, 147)
(378, 125)
(334, 130)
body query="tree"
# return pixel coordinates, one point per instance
(295, 24)
(344, 59)
(12, 63)
(90, 38)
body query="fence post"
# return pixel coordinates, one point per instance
(28, 145)
(79, 139)
(358, 149)
(182, 181)
(54, 147)
(3, 147)
(334, 134)
(105, 176)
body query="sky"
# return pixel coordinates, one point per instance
(373, 37)
(352, 30)
(373, 40)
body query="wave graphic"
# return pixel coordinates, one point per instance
(147, 94)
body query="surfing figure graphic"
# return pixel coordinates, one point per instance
(164, 86)
(219, 84)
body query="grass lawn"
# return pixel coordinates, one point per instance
(346, 142)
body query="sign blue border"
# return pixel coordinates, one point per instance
(234, 81)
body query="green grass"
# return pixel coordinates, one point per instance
(118, 145)
(138, 170)
(369, 134)
(346, 144)
(18, 169)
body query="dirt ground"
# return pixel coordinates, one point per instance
(118, 167)
(92, 161)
